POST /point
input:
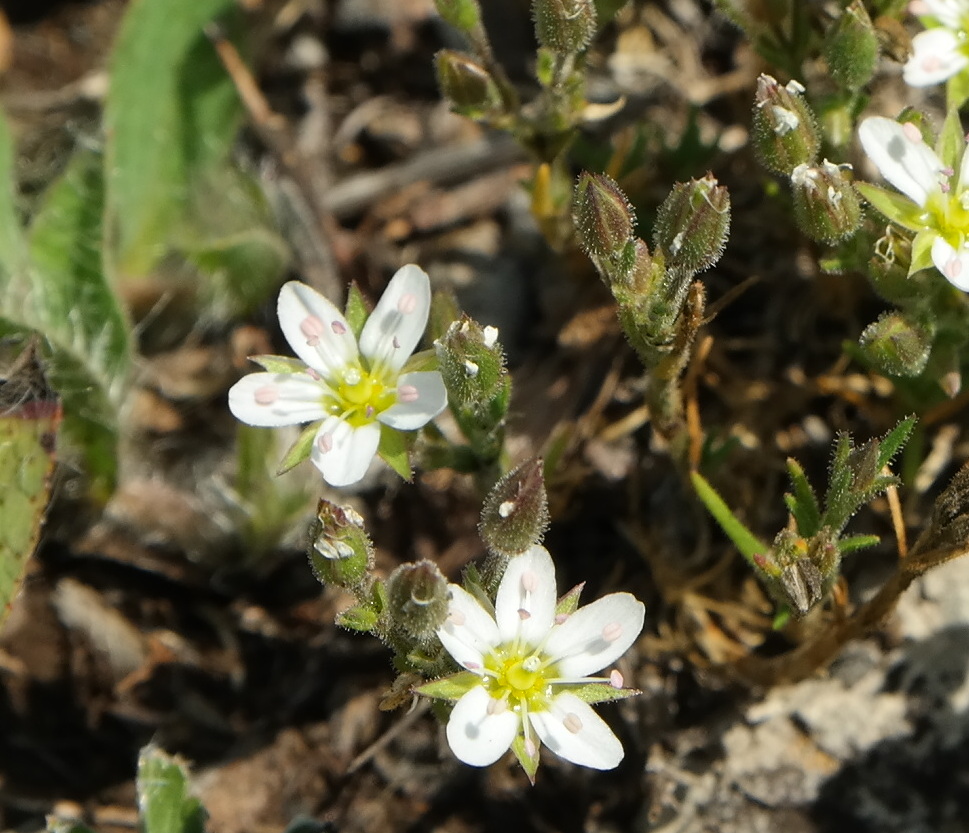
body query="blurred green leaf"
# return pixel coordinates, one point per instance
(803, 504)
(171, 114)
(163, 799)
(29, 416)
(743, 539)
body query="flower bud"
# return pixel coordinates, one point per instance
(826, 205)
(515, 513)
(466, 85)
(784, 133)
(897, 345)
(463, 15)
(472, 364)
(602, 215)
(417, 600)
(851, 47)
(341, 552)
(564, 26)
(692, 224)
(799, 572)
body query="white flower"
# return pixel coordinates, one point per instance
(942, 50)
(529, 668)
(939, 208)
(353, 389)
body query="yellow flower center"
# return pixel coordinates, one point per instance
(360, 396)
(519, 677)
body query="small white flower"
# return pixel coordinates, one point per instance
(942, 50)
(353, 388)
(530, 667)
(939, 195)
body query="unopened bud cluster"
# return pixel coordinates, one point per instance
(786, 140)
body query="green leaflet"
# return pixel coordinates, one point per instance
(163, 798)
(29, 417)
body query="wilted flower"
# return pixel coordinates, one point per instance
(354, 389)
(937, 209)
(942, 50)
(527, 669)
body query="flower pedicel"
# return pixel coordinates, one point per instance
(352, 388)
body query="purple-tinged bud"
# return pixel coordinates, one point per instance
(784, 133)
(564, 26)
(417, 600)
(515, 513)
(826, 205)
(341, 552)
(897, 345)
(464, 15)
(692, 224)
(603, 216)
(851, 47)
(466, 85)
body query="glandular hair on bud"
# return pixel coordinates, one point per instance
(417, 600)
(515, 512)
(693, 224)
(340, 550)
(564, 26)
(465, 84)
(826, 205)
(603, 216)
(784, 132)
(471, 362)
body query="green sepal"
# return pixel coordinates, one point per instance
(394, 450)
(529, 763)
(952, 140)
(921, 257)
(957, 90)
(361, 617)
(299, 450)
(451, 688)
(743, 539)
(163, 795)
(893, 441)
(857, 542)
(593, 693)
(279, 364)
(357, 310)
(568, 604)
(896, 207)
(419, 362)
(803, 504)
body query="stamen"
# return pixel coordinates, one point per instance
(325, 442)
(615, 679)
(470, 368)
(407, 303)
(370, 412)
(529, 581)
(266, 395)
(560, 618)
(572, 723)
(457, 618)
(530, 748)
(953, 268)
(506, 508)
(313, 374)
(407, 393)
(396, 343)
(312, 328)
(612, 632)
(523, 614)
(489, 336)
(497, 706)
(472, 666)
(338, 327)
(912, 133)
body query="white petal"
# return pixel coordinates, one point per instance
(572, 730)
(315, 329)
(952, 263)
(595, 635)
(344, 453)
(935, 58)
(469, 632)
(525, 603)
(947, 12)
(425, 390)
(477, 737)
(397, 323)
(911, 166)
(274, 399)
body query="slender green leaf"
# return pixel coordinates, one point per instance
(803, 504)
(857, 542)
(743, 539)
(171, 114)
(163, 797)
(893, 441)
(453, 687)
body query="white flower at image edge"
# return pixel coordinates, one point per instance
(353, 388)
(915, 169)
(527, 658)
(941, 51)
